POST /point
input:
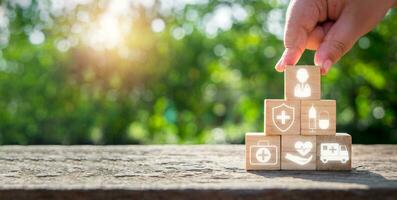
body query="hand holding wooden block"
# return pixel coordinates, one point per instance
(282, 117)
(302, 83)
(262, 152)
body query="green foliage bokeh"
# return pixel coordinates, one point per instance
(188, 83)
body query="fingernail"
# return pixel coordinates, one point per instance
(319, 59)
(279, 65)
(316, 62)
(326, 66)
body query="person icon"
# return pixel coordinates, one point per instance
(302, 89)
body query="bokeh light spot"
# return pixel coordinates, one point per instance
(158, 25)
(36, 37)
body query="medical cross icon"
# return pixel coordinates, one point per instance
(283, 117)
(332, 149)
(264, 154)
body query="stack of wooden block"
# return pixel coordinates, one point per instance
(300, 130)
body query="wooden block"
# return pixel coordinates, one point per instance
(302, 82)
(318, 117)
(334, 152)
(262, 152)
(282, 117)
(298, 152)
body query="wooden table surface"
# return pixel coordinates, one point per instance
(183, 172)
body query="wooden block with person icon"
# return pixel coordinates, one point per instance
(302, 82)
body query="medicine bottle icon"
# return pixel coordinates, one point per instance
(312, 118)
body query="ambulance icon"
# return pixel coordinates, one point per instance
(333, 152)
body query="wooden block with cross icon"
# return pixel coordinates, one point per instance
(334, 152)
(262, 152)
(282, 117)
(318, 117)
(298, 152)
(302, 82)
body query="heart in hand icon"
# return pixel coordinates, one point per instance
(303, 148)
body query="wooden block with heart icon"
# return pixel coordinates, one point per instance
(298, 152)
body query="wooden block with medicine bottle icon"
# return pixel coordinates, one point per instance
(302, 82)
(318, 117)
(262, 152)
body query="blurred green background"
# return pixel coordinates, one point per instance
(171, 71)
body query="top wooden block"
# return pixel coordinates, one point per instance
(302, 82)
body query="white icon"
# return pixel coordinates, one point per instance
(312, 118)
(265, 154)
(303, 148)
(302, 89)
(333, 152)
(283, 117)
(323, 119)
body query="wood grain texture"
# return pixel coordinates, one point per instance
(184, 172)
(292, 124)
(253, 143)
(341, 139)
(288, 146)
(324, 110)
(291, 82)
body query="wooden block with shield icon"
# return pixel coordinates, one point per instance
(318, 117)
(262, 152)
(298, 152)
(282, 117)
(302, 82)
(334, 152)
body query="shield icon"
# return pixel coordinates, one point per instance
(283, 117)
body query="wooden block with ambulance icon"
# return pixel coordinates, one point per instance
(262, 152)
(298, 152)
(282, 117)
(334, 152)
(318, 117)
(302, 82)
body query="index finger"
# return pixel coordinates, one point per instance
(301, 19)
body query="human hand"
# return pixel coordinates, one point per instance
(331, 27)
